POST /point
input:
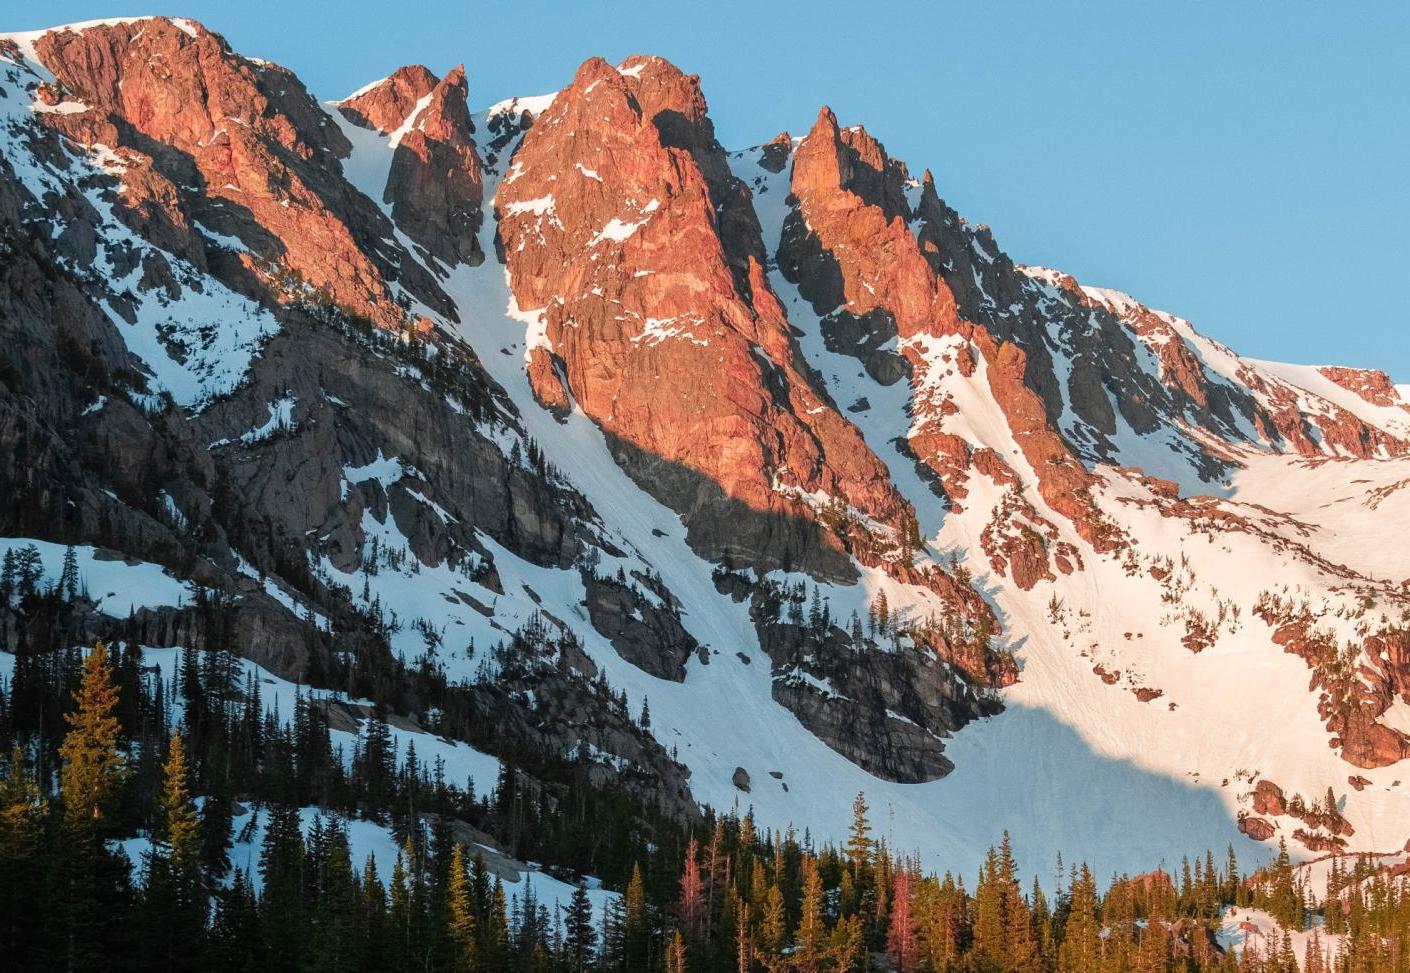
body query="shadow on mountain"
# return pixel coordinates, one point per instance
(1035, 775)
(727, 530)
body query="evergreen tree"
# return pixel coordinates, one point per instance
(281, 867)
(859, 844)
(901, 946)
(581, 938)
(636, 927)
(811, 942)
(91, 772)
(180, 832)
(692, 903)
(235, 929)
(1080, 951)
(174, 902)
(24, 813)
(773, 925)
(990, 949)
(675, 954)
(68, 576)
(92, 764)
(494, 944)
(460, 908)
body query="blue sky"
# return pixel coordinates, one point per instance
(1241, 164)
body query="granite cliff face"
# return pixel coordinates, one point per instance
(570, 405)
(660, 326)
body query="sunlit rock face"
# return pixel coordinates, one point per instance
(565, 402)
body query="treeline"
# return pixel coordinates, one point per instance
(102, 748)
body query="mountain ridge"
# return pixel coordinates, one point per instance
(569, 359)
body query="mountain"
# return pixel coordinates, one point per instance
(566, 405)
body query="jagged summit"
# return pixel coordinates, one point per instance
(565, 402)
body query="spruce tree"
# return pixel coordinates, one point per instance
(1080, 951)
(281, 867)
(91, 772)
(68, 576)
(859, 844)
(174, 902)
(494, 944)
(581, 938)
(235, 929)
(92, 765)
(901, 946)
(692, 901)
(181, 828)
(24, 859)
(990, 949)
(675, 954)
(460, 908)
(636, 930)
(810, 942)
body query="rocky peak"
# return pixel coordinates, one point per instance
(659, 86)
(612, 230)
(847, 245)
(832, 158)
(263, 155)
(1370, 384)
(384, 105)
(775, 153)
(675, 104)
(436, 183)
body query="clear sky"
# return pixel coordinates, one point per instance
(1243, 164)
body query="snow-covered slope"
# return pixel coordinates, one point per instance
(1189, 554)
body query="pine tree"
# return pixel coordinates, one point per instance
(23, 815)
(92, 770)
(1312, 961)
(612, 955)
(743, 941)
(375, 936)
(692, 902)
(773, 924)
(581, 938)
(494, 944)
(281, 867)
(68, 576)
(7, 577)
(174, 903)
(675, 954)
(460, 909)
(859, 844)
(1284, 900)
(810, 942)
(1080, 949)
(235, 931)
(901, 946)
(217, 818)
(92, 765)
(636, 928)
(990, 949)
(1021, 952)
(181, 828)
(848, 943)
(337, 911)
(942, 920)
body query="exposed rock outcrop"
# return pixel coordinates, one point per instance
(620, 221)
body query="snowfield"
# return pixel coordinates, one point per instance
(116, 584)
